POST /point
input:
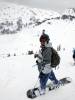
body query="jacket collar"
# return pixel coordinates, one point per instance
(48, 44)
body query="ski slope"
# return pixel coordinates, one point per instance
(18, 73)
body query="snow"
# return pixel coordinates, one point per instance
(19, 73)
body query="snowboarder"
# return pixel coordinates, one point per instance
(74, 56)
(44, 63)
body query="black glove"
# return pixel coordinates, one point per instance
(35, 55)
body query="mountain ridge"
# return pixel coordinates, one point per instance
(14, 17)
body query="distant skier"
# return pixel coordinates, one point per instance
(43, 31)
(44, 63)
(74, 56)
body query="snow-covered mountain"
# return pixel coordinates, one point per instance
(13, 11)
(69, 14)
(21, 19)
(70, 11)
(15, 17)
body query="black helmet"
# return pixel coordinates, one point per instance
(44, 37)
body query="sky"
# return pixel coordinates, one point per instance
(57, 5)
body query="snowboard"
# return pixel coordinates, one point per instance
(35, 92)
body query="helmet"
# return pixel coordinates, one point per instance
(44, 37)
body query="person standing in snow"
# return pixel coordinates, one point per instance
(44, 63)
(74, 56)
(43, 31)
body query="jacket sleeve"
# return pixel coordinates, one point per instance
(39, 58)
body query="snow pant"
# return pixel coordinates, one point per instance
(44, 78)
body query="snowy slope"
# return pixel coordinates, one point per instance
(17, 73)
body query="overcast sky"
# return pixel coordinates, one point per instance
(57, 5)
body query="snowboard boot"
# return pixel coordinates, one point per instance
(42, 91)
(57, 85)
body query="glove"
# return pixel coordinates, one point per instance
(40, 63)
(35, 55)
(37, 62)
